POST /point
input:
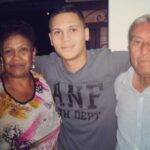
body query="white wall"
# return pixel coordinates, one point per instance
(121, 14)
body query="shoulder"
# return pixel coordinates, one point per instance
(98, 52)
(38, 76)
(119, 61)
(116, 59)
(98, 55)
(124, 79)
(46, 62)
(108, 53)
(120, 78)
(119, 56)
(46, 58)
(40, 82)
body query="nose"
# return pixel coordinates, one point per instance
(145, 48)
(16, 54)
(65, 36)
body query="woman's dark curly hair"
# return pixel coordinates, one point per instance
(16, 27)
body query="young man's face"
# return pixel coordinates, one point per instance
(140, 49)
(68, 36)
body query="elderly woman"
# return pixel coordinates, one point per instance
(28, 119)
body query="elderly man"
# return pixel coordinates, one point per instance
(133, 91)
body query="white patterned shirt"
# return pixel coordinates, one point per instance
(31, 125)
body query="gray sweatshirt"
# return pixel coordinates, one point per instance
(85, 99)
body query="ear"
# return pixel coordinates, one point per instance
(87, 34)
(1, 60)
(1, 65)
(129, 47)
(50, 38)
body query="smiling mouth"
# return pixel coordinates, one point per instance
(67, 47)
(16, 65)
(145, 61)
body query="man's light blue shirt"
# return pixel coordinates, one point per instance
(133, 114)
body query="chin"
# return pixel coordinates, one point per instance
(67, 58)
(19, 75)
(145, 74)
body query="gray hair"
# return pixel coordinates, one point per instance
(141, 19)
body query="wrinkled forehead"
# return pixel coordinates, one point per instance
(140, 29)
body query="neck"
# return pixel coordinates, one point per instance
(20, 89)
(141, 83)
(16, 81)
(75, 64)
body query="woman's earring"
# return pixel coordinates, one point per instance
(33, 66)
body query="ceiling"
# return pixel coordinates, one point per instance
(9, 1)
(21, 5)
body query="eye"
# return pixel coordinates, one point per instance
(136, 42)
(73, 29)
(7, 52)
(57, 32)
(25, 49)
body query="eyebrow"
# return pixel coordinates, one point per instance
(59, 28)
(136, 36)
(22, 45)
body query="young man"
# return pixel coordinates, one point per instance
(82, 83)
(133, 91)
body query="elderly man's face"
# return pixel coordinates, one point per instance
(139, 47)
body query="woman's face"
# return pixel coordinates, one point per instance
(17, 56)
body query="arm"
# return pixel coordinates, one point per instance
(119, 60)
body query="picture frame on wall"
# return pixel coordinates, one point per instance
(95, 16)
(97, 22)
